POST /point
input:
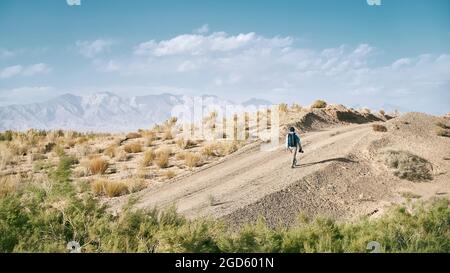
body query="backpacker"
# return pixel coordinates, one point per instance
(292, 140)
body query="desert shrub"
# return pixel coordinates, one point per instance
(192, 159)
(319, 104)
(149, 157)
(180, 155)
(133, 135)
(18, 148)
(109, 188)
(122, 155)
(169, 174)
(162, 157)
(8, 185)
(442, 125)
(296, 107)
(407, 166)
(283, 107)
(167, 135)
(185, 143)
(220, 149)
(443, 132)
(6, 136)
(379, 128)
(133, 148)
(111, 151)
(7, 157)
(28, 214)
(98, 165)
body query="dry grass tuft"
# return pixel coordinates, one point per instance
(109, 188)
(221, 148)
(296, 107)
(185, 144)
(379, 128)
(9, 184)
(283, 107)
(103, 187)
(122, 155)
(319, 104)
(192, 159)
(442, 125)
(443, 132)
(169, 174)
(167, 135)
(98, 165)
(149, 157)
(133, 135)
(111, 151)
(162, 157)
(133, 148)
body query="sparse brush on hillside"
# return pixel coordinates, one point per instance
(111, 150)
(319, 104)
(443, 130)
(169, 174)
(167, 135)
(133, 148)
(379, 128)
(220, 148)
(7, 157)
(185, 143)
(116, 188)
(192, 159)
(442, 125)
(162, 157)
(133, 135)
(296, 107)
(407, 166)
(283, 107)
(149, 157)
(98, 165)
(9, 185)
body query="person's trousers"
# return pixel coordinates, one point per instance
(294, 159)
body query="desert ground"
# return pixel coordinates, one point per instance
(349, 169)
(355, 163)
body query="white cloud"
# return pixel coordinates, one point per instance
(11, 71)
(195, 44)
(91, 49)
(5, 53)
(275, 68)
(40, 68)
(19, 70)
(202, 30)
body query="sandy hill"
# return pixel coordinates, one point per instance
(355, 163)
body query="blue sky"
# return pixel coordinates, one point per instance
(343, 51)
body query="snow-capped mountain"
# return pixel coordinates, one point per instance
(100, 112)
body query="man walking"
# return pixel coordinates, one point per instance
(293, 144)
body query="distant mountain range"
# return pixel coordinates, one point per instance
(101, 112)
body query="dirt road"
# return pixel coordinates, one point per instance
(251, 174)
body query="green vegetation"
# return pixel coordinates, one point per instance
(408, 166)
(44, 219)
(319, 104)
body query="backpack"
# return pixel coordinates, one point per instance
(292, 140)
